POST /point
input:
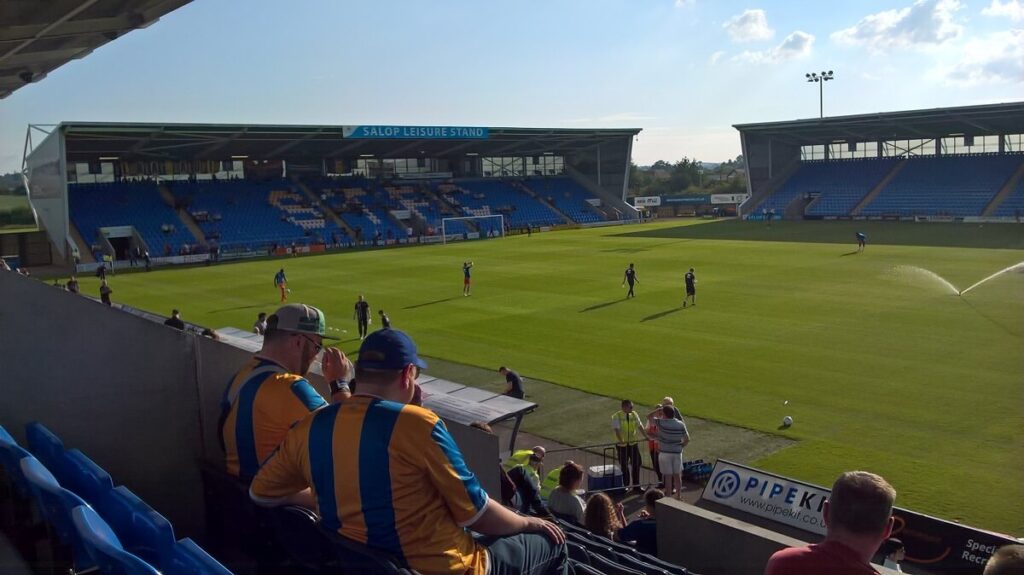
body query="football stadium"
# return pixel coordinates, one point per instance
(861, 308)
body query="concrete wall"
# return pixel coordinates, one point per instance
(710, 543)
(139, 398)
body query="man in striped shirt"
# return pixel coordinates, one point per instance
(388, 474)
(270, 393)
(672, 438)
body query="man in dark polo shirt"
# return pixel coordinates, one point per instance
(858, 518)
(515, 383)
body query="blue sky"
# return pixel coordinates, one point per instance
(683, 70)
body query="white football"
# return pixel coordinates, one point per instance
(787, 421)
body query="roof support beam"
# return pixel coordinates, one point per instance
(71, 14)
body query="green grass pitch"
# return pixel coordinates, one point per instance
(884, 368)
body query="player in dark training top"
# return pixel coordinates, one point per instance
(630, 278)
(466, 266)
(691, 288)
(362, 316)
(862, 239)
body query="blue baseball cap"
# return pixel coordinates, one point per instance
(388, 349)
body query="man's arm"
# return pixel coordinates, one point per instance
(498, 521)
(302, 498)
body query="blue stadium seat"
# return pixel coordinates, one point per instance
(141, 530)
(55, 504)
(82, 476)
(582, 568)
(190, 559)
(11, 455)
(103, 546)
(47, 447)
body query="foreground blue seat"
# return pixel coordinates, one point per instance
(140, 529)
(47, 447)
(103, 546)
(190, 559)
(11, 455)
(82, 476)
(55, 504)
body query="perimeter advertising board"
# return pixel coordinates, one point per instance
(647, 201)
(933, 546)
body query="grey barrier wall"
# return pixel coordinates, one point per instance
(139, 398)
(712, 544)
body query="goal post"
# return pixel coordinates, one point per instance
(487, 226)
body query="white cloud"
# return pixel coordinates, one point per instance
(750, 26)
(996, 58)
(796, 45)
(925, 23)
(716, 57)
(1012, 9)
(682, 3)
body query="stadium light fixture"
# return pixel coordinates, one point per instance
(365, 155)
(239, 157)
(472, 154)
(820, 80)
(108, 158)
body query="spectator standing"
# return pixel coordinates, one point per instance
(858, 518)
(644, 530)
(563, 501)
(396, 479)
(105, 292)
(628, 429)
(603, 517)
(675, 412)
(148, 260)
(270, 393)
(385, 321)
(652, 443)
(514, 383)
(672, 438)
(72, 284)
(175, 320)
(260, 326)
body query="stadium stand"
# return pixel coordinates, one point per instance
(243, 215)
(365, 207)
(950, 186)
(840, 184)
(568, 196)
(137, 204)
(1013, 204)
(490, 197)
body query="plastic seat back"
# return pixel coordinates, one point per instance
(297, 531)
(47, 447)
(103, 546)
(190, 559)
(82, 476)
(611, 567)
(11, 455)
(55, 505)
(361, 558)
(142, 530)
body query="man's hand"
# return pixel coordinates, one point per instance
(335, 365)
(549, 529)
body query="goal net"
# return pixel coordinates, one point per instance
(472, 227)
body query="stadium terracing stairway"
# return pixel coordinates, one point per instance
(776, 182)
(867, 199)
(1005, 191)
(84, 249)
(326, 210)
(529, 191)
(183, 215)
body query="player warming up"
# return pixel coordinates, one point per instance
(862, 240)
(362, 315)
(282, 284)
(466, 266)
(691, 288)
(630, 278)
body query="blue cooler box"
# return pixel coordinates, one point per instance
(604, 477)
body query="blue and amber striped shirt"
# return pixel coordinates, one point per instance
(262, 402)
(387, 475)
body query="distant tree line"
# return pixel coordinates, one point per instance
(688, 176)
(12, 185)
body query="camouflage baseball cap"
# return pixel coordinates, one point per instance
(299, 318)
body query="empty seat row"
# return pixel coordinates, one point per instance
(608, 557)
(104, 526)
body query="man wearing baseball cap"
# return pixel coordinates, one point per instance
(388, 474)
(270, 393)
